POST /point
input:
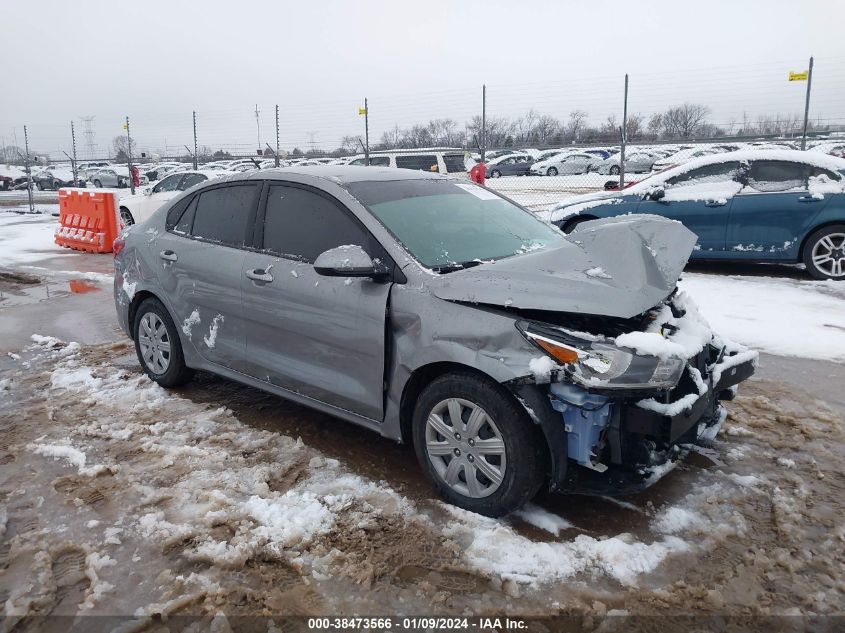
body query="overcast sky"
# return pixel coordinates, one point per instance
(158, 61)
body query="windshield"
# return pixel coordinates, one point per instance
(446, 224)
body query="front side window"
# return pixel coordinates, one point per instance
(304, 224)
(191, 180)
(443, 223)
(225, 215)
(168, 184)
(777, 175)
(717, 172)
(423, 162)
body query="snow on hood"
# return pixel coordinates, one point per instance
(641, 258)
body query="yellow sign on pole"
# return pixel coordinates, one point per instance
(802, 76)
(125, 127)
(362, 111)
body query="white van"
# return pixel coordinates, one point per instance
(443, 160)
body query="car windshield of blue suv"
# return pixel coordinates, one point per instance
(449, 225)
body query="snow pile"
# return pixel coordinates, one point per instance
(73, 456)
(26, 239)
(718, 192)
(543, 519)
(542, 368)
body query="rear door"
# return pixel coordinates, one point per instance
(774, 210)
(701, 200)
(322, 337)
(202, 255)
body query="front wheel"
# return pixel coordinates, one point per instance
(98, 184)
(552, 171)
(824, 253)
(477, 445)
(614, 170)
(157, 345)
(495, 174)
(126, 217)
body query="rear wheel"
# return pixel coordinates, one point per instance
(614, 169)
(824, 253)
(476, 445)
(157, 345)
(552, 171)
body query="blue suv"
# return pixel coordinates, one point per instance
(755, 206)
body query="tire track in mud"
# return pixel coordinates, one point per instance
(213, 516)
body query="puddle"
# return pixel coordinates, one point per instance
(34, 290)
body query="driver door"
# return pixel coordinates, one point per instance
(321, 337)
(701, 200)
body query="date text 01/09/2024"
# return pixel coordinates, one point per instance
(417, 623)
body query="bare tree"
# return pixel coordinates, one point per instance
(576, 125)
(634, 128)
(120, 144)
(684, 121)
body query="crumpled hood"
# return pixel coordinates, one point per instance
(617, 267)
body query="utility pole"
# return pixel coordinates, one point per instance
(277, 136)
(807, 105)
(624, 138)
(366, 133)
(483, 122)
(129, 157)
(73, 160)
(258, 128)
(195, 140)
(28, 171)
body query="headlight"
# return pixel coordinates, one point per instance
(600, 365)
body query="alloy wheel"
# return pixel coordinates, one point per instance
(154, 342)
(465, 447)
(829, 254)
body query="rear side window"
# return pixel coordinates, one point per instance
(303, 224)
(777, 175)
(225, 214)
(425, 162)
(454, 163)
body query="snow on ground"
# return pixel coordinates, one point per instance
(28, 238)
(540, 192)
(779, 316)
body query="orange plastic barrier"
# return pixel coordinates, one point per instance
(89, 220)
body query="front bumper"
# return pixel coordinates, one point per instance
(623, 441)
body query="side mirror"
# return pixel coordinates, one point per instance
(347, 261)
(656, 194)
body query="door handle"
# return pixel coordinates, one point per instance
(809, 199)
(168, 255)
(715, 203)
(259, 274)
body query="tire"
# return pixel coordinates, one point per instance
(98, 184)
(169, 371)
(126, 217)
(552, 171)
(824, 253)
(495, 174)
(39, 186)
(516, 461)
(614, 170)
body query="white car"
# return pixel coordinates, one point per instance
(635, 162)
(566, 163)
(137, 208)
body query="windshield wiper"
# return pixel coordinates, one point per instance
(453, 266)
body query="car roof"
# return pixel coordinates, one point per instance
(345, 174)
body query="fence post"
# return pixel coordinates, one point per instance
(483, 121)
(129, 157)
(195, 140)
(73, 161)
(807, 105)
(28, 170)
(624, 138)
(366, 132)
(277, 135)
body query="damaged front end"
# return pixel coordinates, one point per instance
(624, 404)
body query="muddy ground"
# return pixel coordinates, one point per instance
(120, 498)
